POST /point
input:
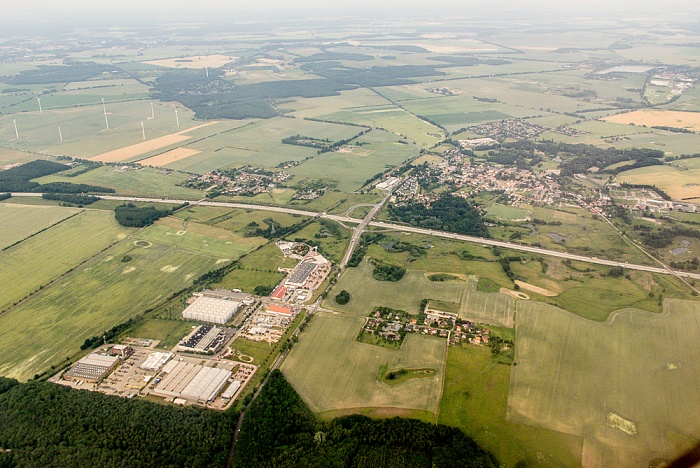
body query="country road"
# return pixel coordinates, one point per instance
(403, 228)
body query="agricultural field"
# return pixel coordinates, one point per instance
(679, 181)
(22, 221)
(104, 292)
(475, 399)
(492, 308)
(193, 61)
(625, 385)
(32, 264)
(200, 238)
(146, 182)
(332, 371)
(652, 118)
(405, 294)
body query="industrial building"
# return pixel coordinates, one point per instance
(155, 361)
(192, 382)
(211, 310)
(281, 311)
(232, 390)
(92, 368)
(204, 339)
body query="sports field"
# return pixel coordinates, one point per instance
(21, 221)
(31, 264)
(104, 292)
(492, 308)
(629, 386)
(331, 370)
(406, 294)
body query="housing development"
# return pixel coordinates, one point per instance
(396, 235)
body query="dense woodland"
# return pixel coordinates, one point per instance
(46, 74)
(19, 179)
(280, 431)
(43, 424)
(71, 198)
(132, 216)
(448, 213)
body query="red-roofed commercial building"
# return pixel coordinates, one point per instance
(275, 309)
(278, 293)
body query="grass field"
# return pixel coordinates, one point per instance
(508, 213)
(147, 182)
(36, 262)
(20, 221)
(102, 293)
(200, 238)
(332, 371)
(573, 375)
(333, 247)
(475, 399)
(406, 294)
(168, 332)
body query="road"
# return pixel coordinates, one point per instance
(398, 227)
(357, 232)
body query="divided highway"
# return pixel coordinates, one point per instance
(363, 223)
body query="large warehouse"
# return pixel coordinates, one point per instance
(92, 368)
(192, 382)
(211, 310)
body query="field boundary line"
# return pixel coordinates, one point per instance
(43, 230)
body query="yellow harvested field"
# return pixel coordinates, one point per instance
(663, 118)
(678, 184)
(195, 61)
(129, 152)
(169, 157)
(535, 289)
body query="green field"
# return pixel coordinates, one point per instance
(492, 308)
(102, 293)
(21, 221)
(146, 182)
(200, 238)
(475, 399)
(406, 294)
(681, 182)
(332, 371)
(168, 332)
(332, 247)
(573, 374)
(508, 213)
(32, 264)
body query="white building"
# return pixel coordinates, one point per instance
(211, 310)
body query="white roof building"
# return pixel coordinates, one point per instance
(211, 310)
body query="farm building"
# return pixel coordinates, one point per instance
(203, 339)
(92, 368)
(192, 382)
(155, 361)
(211, 310)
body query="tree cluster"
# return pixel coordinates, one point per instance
(448, 213)
(279, 431)
(131, 215)
(43, 424)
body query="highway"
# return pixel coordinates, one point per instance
(363, 223)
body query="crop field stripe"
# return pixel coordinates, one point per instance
(39, 232)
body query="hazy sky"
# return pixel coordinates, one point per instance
(123, 10)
